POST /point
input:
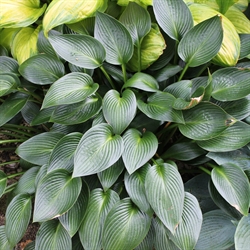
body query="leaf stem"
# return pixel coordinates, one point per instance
(13, 135)
(183, 72)
(205, 170)
(124, 73)
(10, 188)
(31, 93)
(139, 56)
(108, 77)
(15, 175)
(12, 141)
(8, 162)
(9, 126)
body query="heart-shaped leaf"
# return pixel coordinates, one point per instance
(119, 110)
(173, 16)
(71, 88)
(226, 180)
(115, 39)
(81, 50)
(125, 226)
(56, 193)
(242, 234)
(91, 230)
(98, 149)
(165, 193)
(138, 148)
(3, 182)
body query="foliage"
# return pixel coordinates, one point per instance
(125, 106)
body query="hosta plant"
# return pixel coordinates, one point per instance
(132, 120)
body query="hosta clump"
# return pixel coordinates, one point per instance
(137, 128)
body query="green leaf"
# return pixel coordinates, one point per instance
(26, 184)
(30, 111)
(41, 173)
(135, 186)
(18, 215)
(115, 39)
(62, 156)
(77, 112)
(8, 84)
(56, 193)
(73, 218)
(148, 241)
(71, 88)
(226, 180)
(4, 243)
(230, 84)
(8, 65)
(91, 230)
(81, 50)
(137, 20)
(242, 234)
(119, 110)
(165, 193)
(234, 137)
(187, 233)
(98, 149)
(217, 231)
(42, 69)
(205, 121)
(110, 175)
(38, 148)
(3, 182)
(52, 235)
(12, 106)
(30, 246)
(244, 45)
(173, 16)
(166, 72)
(138, 148)
(159, 107)
(42, 116)
(224, 5)
(202, 42)
(142, 81)
(125, 226)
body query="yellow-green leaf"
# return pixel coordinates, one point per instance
(19, 13)
(143, 3)
(61, 11)
(7, 36)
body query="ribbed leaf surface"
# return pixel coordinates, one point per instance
(98, 149)
(242, 234)
(8, 65)
(148, 241)
(56, 193)
(4, 243)
(244, 45)
(3, 182)
(125, 226)
(8, 84)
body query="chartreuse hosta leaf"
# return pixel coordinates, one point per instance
(225, 5)
(62, 155)
(71, 88)
(205, 121)
(165, 193)
(143, 3)
(125, 226)
(73, 218)
(52, 235)
(173, 16)
(8, 65)
(60, 12)
(91, 230)
(4, 243)
(226, 180)
(98, 149)
(38, 148)
(42, 69)
(135, 186)
(20, 13)
(202, 42)
(230, 84)
(56, 193)
(81, 50)
(3, 182)
(242, 234)
(217, 231)
(18, 215)
(139, 148)
(119, 109)
(115, 39)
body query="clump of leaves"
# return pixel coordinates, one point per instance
(139, 113)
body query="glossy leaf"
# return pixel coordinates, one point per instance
(125, 226)
(91, 230)
(4, 243)
(202, 42)
(73, 218)
(38, 148)
(62, 156)
(56, 193)
(42, 69)
(115, 39)
(8, 65)
(29, 111)
(98, 149)
(205, 121)
(226, 180)
(42, 116)
(244, 45)
(148, 241)
(18, 215)
(173, 16)
(119, 110)
(81, 50)
(52, 235)
(138, 148)
(3, 182)
(8, 84)
(242, 234)
(165, 193)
